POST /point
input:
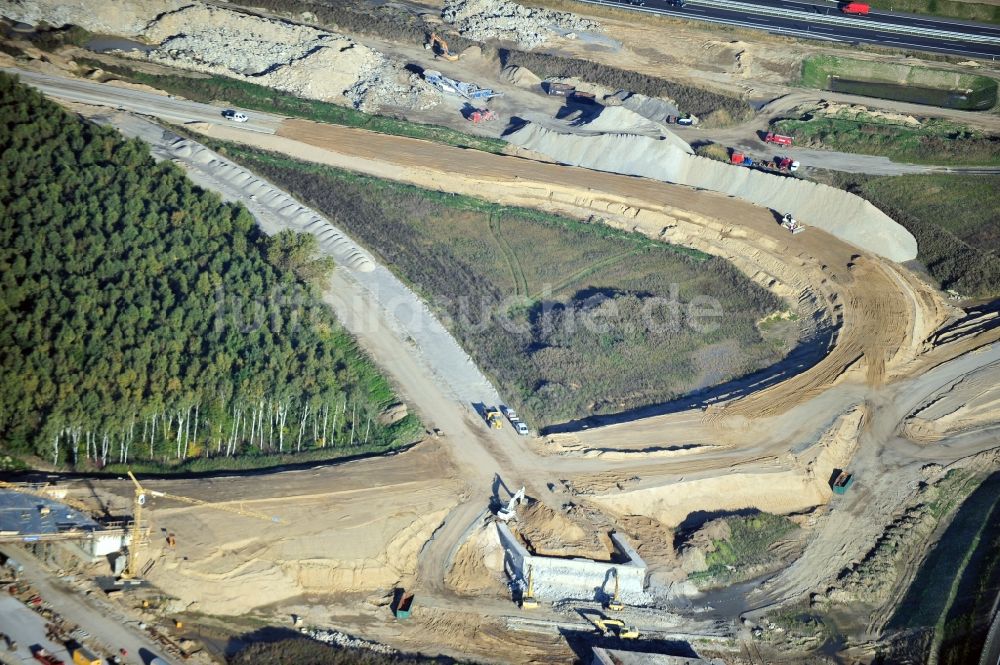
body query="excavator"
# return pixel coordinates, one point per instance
(131, 571)
(528, 601)
(494, 419)
(440, 47)
(616, 628)
(615, 604)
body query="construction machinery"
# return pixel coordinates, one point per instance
(470, 91)
(792, 224)
(478, 116)
(440, 47)
(615, 604)
(509, 511)
(616, 628)
(843, 482)
(138, 536)
(528, 601)
(405, 606)
(777, 139)
(493, 418)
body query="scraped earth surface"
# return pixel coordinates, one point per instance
(348, 528)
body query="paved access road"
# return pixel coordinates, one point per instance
(164, 107)
(803, 19)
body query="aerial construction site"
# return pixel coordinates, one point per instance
(764, 471)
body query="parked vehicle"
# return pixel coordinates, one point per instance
(235, 116)
(779, 139)
(521, 428)
(856, 8)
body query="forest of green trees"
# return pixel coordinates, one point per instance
(146, 321)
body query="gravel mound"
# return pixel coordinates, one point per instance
(484, 20)
(620, 120)
(304, 61)
(837, 212)
(121, 17)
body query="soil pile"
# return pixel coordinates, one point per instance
(549, 533)
(839, 213)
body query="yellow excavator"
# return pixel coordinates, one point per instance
(616, 628)
(131, 571)
(615, 604)
(528, 601)
(440, 47)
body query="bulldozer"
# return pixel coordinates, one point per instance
(439, 47)
(616, 628)
(792, 224)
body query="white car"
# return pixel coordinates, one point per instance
(521, 428)
(235, 116)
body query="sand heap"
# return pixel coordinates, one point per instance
(839, 213)
(483, 20)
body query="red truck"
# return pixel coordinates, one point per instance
(858, 8)
(46, 658)
(771, 137)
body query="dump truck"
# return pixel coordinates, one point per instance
(82, 656)
(405, 606)
(739, 159)
(843, 482)
(856, 8)
(779, 139)
(559, 89)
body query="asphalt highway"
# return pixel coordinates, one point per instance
(823, 21)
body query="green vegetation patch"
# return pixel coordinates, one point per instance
(969, 11)
(742, 548)
(301, 651)
(954, 219)
(214, 89)
(143, 320)
(930, 142)
(569, 318)
(954, 590)
(920, 85)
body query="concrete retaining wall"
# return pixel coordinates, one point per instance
(556, 578)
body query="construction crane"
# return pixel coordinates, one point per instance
(440, 47)
(616, 628)
(615, 604)
(131, 571)
(528, 601)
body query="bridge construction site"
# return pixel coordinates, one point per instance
(723, 526)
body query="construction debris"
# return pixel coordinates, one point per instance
(502, 20)
(460, 88)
